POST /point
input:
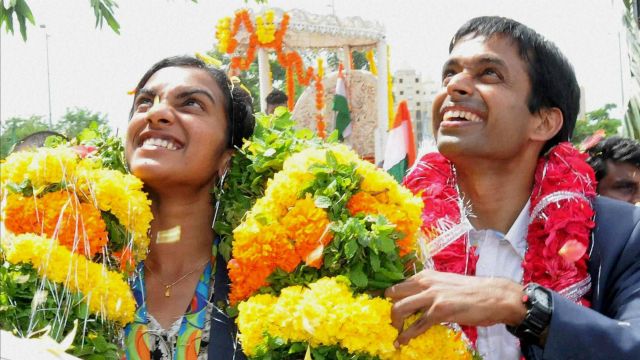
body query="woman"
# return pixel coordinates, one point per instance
(185, 121)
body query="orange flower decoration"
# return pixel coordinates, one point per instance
(308, 227)
(256, 256)
(76, 225)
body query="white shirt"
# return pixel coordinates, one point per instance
(501, 256)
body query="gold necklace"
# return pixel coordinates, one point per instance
(167, 287)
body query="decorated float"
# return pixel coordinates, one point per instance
(291, 36)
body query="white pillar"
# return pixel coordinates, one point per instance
(265, 81)
(346, 58)
(383, 105)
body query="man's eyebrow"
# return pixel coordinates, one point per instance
(487, 59)
(482, 60)
(190, 92)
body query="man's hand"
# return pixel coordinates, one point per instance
(446, 297)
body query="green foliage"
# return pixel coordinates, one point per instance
(28, 304)
(103, 10)
(21, 10)
(596, 119)
(278, 349)
(16, 128)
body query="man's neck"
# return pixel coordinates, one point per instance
(496, 191)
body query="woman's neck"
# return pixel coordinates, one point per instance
(181, 233)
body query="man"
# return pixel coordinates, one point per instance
(508, 97)
(616, 162)
(274, 99)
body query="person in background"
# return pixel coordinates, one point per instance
(616, 162)
(274, 99)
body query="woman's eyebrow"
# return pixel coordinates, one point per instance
(146, 91)
(190, 92)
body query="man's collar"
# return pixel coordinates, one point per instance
(517, 234)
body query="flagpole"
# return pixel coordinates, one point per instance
(263, 74)
(383, 105)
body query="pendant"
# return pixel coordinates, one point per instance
(167, 290)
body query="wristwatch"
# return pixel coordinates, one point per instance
(537, 299)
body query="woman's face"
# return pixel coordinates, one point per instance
(177, 133)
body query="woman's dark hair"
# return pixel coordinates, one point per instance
(553, 81)
(615, 149)
(238, 105)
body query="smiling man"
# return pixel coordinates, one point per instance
(616, 162)
(518, 259)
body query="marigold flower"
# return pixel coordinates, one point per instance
(105, 291)
(59, 215)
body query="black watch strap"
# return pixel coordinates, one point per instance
(538, 301)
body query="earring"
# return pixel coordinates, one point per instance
(220, 186)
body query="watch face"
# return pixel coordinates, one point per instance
(542, 297)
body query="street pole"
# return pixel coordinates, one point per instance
(46, 39)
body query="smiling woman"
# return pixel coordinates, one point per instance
(185, 121)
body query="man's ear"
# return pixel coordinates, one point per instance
(548, 123)
(225, 162)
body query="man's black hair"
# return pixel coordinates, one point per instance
(615, 149)
(238, 105)
(553, 81)
(277, 97)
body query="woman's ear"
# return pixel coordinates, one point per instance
(548, 123)
(225, 162)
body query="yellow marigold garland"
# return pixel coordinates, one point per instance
(113, 191)
(122, 195)
(106, 291)
(86, 188)
(260, 244)
(328, 313)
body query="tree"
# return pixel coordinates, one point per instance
(16, 128)
(72, 123)
(596, 119)
(77, 119)
(102, 9)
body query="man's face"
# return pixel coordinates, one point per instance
(481, 109)
(622, 182)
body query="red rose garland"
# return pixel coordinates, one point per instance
(561, 220)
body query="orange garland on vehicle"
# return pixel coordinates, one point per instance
(291, 61)
(320, 124)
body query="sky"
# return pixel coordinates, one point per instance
(94, 68)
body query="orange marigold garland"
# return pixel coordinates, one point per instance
(261, 35)
(320, 124)
(60, 215)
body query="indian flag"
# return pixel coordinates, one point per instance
(341, 107)
(400, 151)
